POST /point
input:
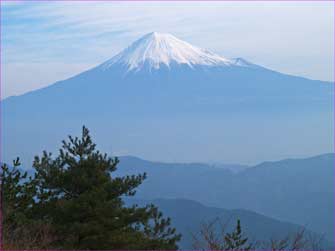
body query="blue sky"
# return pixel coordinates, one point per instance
(43, 42)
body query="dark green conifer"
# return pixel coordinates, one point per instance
(79, 194)
(235, 239)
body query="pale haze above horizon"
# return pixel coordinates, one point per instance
(43, 42)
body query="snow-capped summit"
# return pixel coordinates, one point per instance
(156, 49)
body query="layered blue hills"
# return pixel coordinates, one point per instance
(299, 191)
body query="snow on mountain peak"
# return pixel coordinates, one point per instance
(155, 49)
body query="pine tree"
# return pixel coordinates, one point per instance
(19, 231)
(14, 196)
(79, 194)
(235, 240)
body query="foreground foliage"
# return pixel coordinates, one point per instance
(78, 201)
(213, 236)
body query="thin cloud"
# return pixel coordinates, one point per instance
(90, 32)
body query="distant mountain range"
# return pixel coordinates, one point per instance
(166, 98)
(300, 191)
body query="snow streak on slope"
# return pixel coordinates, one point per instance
(155, 49)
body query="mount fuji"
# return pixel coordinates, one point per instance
(163, 98)
(156, 50)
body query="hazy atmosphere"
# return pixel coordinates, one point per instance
(167, 125)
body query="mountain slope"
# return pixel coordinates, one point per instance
(161, 89)
(188, 216)
(295, 190)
